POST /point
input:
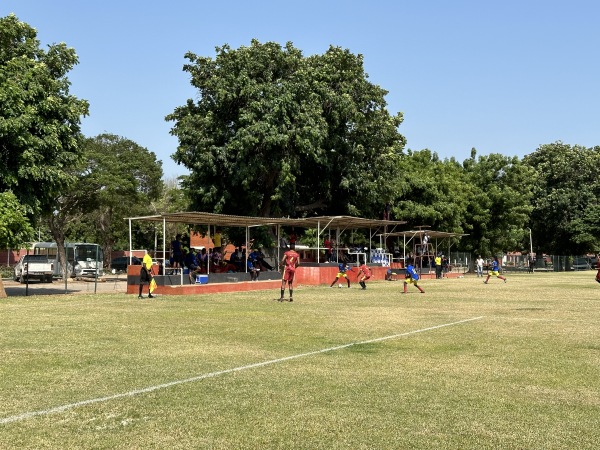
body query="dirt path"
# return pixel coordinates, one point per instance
(113, 284)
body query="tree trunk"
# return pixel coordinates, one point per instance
(57, 227)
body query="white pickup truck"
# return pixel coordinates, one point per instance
(34, 267)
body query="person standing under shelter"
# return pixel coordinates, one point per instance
(424, 250)
(293, 239)
(290, 261)
(328, 249)
(217, 240)
(176, 252)
(146, 274)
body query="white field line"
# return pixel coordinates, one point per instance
(69, 406)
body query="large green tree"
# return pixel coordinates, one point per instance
(488, 198)
(275, 133)
(39, 118)
(431, 192)
(117, 179)
(499, 207)
(566, 205)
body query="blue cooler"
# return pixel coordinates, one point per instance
(201, 279)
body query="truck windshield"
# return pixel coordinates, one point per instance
(89, 253)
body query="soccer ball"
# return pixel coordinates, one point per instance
(340, 285)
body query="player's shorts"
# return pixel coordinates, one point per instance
(342, 274)
(411, 281)
(145, 275)
(288, 275)
(494, 273)
(178, 257)
(364, 277)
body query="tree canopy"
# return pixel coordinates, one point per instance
(15, 228)
(566, 203)
(487, 198)
(116, 179)
(499, 207)
(275, 133)
(39, 118)
(270, 133)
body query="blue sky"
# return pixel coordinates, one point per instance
(501, 77)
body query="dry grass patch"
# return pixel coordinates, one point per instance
(524, 375)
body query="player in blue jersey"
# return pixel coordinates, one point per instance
(412, 277)
(343, 268)
(495, 270)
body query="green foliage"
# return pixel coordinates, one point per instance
(115, 179)
(274, 133)
(464, 366)
(431, 192)
(566, 213)
(171, 199)
(39, 118)
(15, 228)
(125, 179)
(487, 198)
(499, 208)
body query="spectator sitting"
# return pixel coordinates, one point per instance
(254, 256)
(253, 270)
(189, 261)
(237, 259)
(217, 257)
(225, 267)
(202, 260)
(258, 258)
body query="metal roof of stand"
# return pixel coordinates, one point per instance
(322, 223)
(439, 237)
(226, 220)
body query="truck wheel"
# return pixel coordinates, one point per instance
(22, 279)
(49, 279)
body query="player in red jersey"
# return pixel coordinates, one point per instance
(289, 262)
(364, 273)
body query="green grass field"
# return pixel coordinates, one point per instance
(466, 365)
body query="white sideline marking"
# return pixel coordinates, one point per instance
(62, 408)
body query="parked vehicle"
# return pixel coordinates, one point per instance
(121, 262)
(584, 263)
(34, 267)
(83, 259)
